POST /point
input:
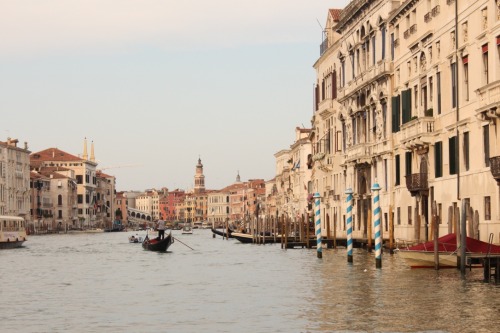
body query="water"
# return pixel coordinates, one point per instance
(102, 283)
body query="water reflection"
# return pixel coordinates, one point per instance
(102, 283)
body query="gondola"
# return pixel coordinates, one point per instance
(222, 233)
(156, 244)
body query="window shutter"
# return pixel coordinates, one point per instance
(395, 114)
(438, 153)
(406, 105)
(452, 155)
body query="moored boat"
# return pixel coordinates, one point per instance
(223, 232)
(12, 232)
(248, 238)
(422, 255)
(156, 244)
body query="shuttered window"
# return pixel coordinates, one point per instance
(397, 173)
(452, 152)
(438, 159)
(408, 163)
(395, 113)
(406, 105)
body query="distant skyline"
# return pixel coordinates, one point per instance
(158, 84)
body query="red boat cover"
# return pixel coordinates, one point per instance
(448, 243)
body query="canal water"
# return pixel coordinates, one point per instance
(101, 283)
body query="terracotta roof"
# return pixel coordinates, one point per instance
(103, 175)
(335, 13)
(54, 154)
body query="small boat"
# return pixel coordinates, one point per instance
(422, 255)
(156, 244)
(186, 229)
(135, 239)
(248, 238)
(222, 232)
(12, 232)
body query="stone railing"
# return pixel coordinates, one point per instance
(417, 128)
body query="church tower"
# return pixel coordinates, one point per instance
(199, 178)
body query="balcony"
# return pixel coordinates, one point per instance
(495, 168)
(417, 132)
(489, 101)
(417, 183)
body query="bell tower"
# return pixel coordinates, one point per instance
(199, 178)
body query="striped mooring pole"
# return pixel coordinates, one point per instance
(317, 219)
(349, 223)
(376, 221)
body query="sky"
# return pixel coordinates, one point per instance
(157, 84)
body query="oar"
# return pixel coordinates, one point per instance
(177, 240)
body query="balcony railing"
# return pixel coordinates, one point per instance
(495, 168)
(420, 128)
(417, 183)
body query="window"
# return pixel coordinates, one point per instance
(373, 50)
(438, 159)
(343, 71)
(397, 166)
(80, 198)
(485, 64)
(383, 42)
(59, 200)
(395, 113)
(465, 61)
(79, 179)
(486, 145)
(406, 105)
(399, 215)
(408, 163)
(438, 87)
(453, 69)
(487, 208)
(409, 216)
(452, 150)
(392, 46)
(59, 214)
(466, 151)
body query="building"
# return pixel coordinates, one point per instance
(395, 105)
(14, 179)
(85, 174)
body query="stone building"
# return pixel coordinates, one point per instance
(395, 104)
(14, 179)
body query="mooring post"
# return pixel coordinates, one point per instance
(376, 221)
(317, 213)
(349, 224)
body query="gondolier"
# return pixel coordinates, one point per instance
(160, 226)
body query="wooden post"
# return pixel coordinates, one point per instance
(335, 230)
(435, 232)
(282, 224)
(227, 228)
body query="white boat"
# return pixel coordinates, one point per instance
(12, 232)
(422, 255)
(186, 229)
(135, 239)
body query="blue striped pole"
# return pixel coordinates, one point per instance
(318, 224)
(349, 223)
(376, 221)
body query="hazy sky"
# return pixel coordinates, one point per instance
(155, 84)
